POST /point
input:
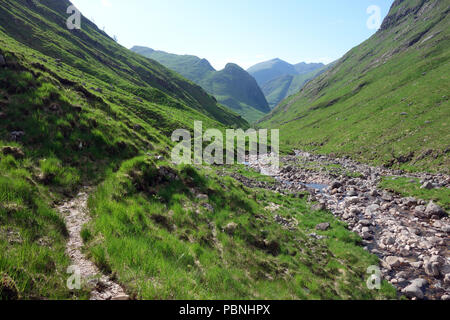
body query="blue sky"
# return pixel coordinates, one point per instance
(240, 31)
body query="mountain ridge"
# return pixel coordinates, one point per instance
(233, 89)
(279, 79)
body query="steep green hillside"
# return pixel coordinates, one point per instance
(386, 101)
(73, 106)
(77, 109)
(191, 67)
(279, 79)
(232, 86)
(272, 69)
(235, 88)
(279, 88)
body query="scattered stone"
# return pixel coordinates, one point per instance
(447, 279)
(410, 201)
(434, 210)
(14, 151)
(316, 236)
(8, 289)
(393, 261)
(323, 226)
(16, 135)
(336, 185)
(208, 207)
(413, 291)
(230, 228)
(420, 283)
(365, 222)
(427, 185)
(122, 297)
(319, 207)
(432, 269)
(202, 197)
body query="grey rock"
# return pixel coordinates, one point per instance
(336, 185)
(434, 210)
(420, 210)
(447, 279)
(323, 226)
(230, 228)
(420, 283)
(413, 291)
(365, 222)
(202, 197)
(431, 269)
(120, 298)
(372, 209)
(367, 236)
(410, 201)
(427, 185)
(319, 207)
(393, 261)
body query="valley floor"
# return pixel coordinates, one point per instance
(409, 234)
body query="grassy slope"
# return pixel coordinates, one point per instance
(235, 88)
(75, 136)
(386, 101)
(232, 86)
(278, 89)
(163, 242)
(191, 67)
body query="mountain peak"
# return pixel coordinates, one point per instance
(233, 66)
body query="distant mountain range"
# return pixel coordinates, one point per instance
(233, 86)
(279, 79)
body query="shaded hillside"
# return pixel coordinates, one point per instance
(91, 52)
(232, 87)
(235, 88)
(279, 88)
(279, 79)
(385, 101)
(191, 67)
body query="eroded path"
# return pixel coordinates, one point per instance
(409, 235)
(75, 213)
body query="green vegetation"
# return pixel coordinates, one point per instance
(233, 87)
(77, 109)
(33, 262)
(74, 106)
(164, 241)
(408, 187)
(279, 79)
(386, 101)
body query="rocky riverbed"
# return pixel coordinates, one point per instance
(411, 236)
